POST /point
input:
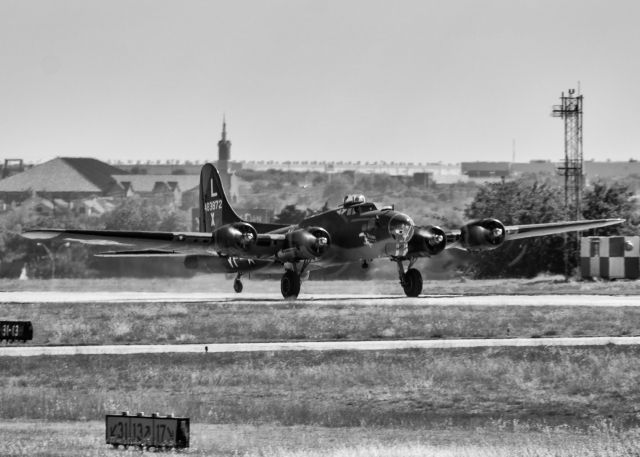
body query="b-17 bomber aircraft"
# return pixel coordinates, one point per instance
(357, 231)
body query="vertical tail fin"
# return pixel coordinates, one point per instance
(215, 209)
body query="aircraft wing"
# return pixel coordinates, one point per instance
(123, 243)
(518, 232)
(131, 243)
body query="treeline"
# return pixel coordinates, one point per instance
(60, 259)
(517, 203)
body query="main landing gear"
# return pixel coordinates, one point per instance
(290, 282)
(411, 280)
(237, 283)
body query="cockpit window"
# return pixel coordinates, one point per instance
(353, 199)
(359, 209)
(366, 207)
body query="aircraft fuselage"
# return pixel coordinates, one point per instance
(359, 233)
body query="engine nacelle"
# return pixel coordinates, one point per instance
(427, 241)
(305, 244)
(235, 238)
(482, 235)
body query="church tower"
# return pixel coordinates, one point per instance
(224, 155)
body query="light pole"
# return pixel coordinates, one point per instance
(52, 257)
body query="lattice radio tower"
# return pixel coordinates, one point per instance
(571, 111)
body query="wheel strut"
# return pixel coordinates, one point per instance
(411, 280)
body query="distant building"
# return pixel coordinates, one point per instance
(151, 168)
(611, 170)
(40, 206)
(442, 173)
(224, 156)
(423, 179)
(162, 189)
(535, 167)
(256, 214)
(593, 171)
(191, 199)
(12, 167)
(499, 170)
(66, 178)
(95, 206)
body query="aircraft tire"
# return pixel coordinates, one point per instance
(237, 285)
(290, 284)
(412, 282)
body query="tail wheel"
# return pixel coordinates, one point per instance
(237, 285)
(412, 282)
(290, 284)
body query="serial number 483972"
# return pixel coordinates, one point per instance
(213, 205)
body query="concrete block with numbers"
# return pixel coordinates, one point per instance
(147, 431)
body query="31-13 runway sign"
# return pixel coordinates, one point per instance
(147, 431)
(16, 330)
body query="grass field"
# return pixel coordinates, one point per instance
(150, 323)
(536, 401)
(413, 388)
(82, 439)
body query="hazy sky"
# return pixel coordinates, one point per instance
(412, 80)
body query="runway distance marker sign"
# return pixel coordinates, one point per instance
(147, 431)
(16, 330)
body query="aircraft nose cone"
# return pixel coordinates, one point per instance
(401, 227)
(436, 240)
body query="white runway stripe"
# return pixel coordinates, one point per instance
(26, 351)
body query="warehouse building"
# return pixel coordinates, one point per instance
(65, 178)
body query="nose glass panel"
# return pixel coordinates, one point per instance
(401, 227)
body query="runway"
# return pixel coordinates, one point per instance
(319, 299)
(385, 345)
